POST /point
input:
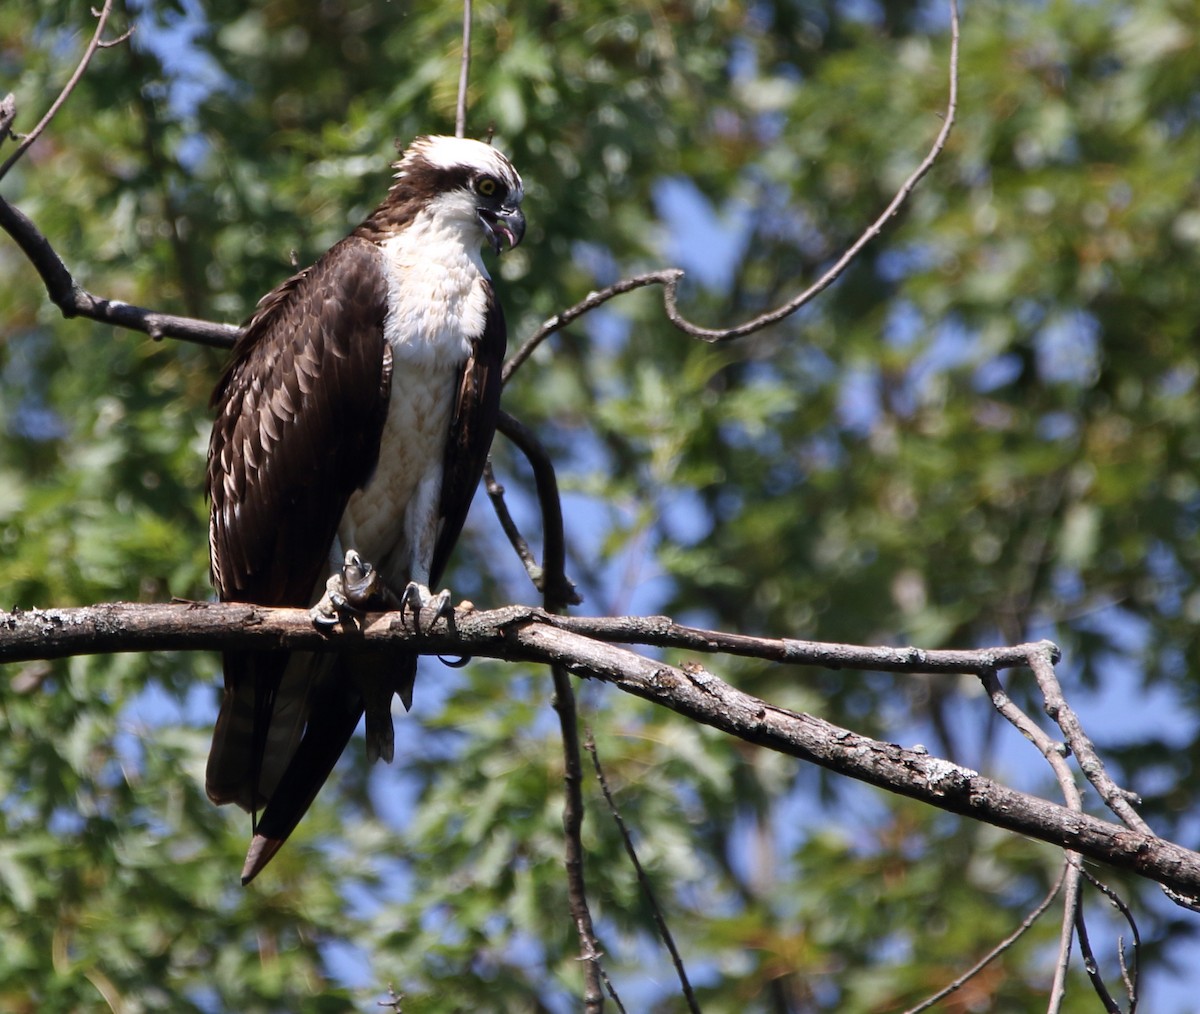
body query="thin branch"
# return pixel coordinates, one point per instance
(557, 594)
(573, 854)
(1053, 753)
(1092, 968)
(558, 590)
(660, 921)
(520, 546)
(527, 634)
(996, 951)
(75, 301)
(1119, 800)
(56, 105)
(1128, 976)
(669, 278)
(663, 632)
(589, 302)
(464, 74)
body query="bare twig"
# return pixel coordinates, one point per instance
(520, 546)
(669, 278)
(643, 881)
(1053, 753)
(1115, 798)
(1129, 976)
(1092, 968)
(75, 301)
(558, 591)
(557, 594)
(573, 812)
(464, 74)
(56, 105)
(589, 302)
(996, 951)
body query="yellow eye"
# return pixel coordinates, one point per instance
(486, 186)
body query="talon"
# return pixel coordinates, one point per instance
(360, 580)
(426, 607)
(348, 593)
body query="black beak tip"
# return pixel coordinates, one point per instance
(508, 226)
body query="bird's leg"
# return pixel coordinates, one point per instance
(348, 592)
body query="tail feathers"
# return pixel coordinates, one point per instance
(336, 709)
(378, 677)
(263, 712)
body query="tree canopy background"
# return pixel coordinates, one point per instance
(988, 431)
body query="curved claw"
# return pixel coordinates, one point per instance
(347, 594)
(424, 603)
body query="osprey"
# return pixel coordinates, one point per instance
(352, 426)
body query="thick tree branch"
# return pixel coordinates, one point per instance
(112, 627)
(520, 633)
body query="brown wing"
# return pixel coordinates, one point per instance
(476, 407)
(300, 410)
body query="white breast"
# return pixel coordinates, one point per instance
(437, 306)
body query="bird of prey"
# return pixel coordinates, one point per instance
(352, 426)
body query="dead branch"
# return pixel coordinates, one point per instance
(522, 633)
(1053, 753)
(557, 594)
(75, 301)
(669, 278)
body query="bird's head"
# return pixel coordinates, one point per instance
(466, 182)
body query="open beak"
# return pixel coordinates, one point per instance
(505, 224)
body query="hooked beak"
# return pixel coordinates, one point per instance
(505, 223)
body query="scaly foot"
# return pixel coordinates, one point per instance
(349, 593)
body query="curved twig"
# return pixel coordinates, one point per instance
(996, 951)
(57, 104)
(1129, 976)
(669, 278)
(1053, 753)
(75, 301)
(1092, 968)
(557, 588)
(660, 921)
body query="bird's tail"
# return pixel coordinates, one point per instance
(337, 705)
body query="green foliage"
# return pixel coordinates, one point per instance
(986, 431)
